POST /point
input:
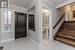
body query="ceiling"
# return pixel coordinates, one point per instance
(57, 2)
(72, 5)
(26, 3)
(21, 3)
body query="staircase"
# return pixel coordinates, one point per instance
(66, 34)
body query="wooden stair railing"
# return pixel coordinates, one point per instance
(58, 21)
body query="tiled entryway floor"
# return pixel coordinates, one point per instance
(24, 44)
(20, 44)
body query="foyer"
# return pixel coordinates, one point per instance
(37, 24)
(20, 44)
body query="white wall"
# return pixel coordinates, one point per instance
(69, 12)
(10, 35)
(56, 44)
(0, 26)
(35, 35)
(56, 15)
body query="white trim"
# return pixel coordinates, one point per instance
(17, 8)
(65, 3)
(50, 3)
(27, 25)
(32, 5)
(7, 40)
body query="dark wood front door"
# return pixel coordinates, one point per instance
(20, 25)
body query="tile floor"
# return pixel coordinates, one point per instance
(45, 45)
(20, 44)
(24, 44)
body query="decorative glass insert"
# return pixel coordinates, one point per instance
(7, 20)
(4, 3)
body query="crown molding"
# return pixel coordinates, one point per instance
(51, 3)
(65, 3)
(32, 5)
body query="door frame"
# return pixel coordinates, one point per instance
(50, 22)
(17, 23)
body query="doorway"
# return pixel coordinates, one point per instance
(45, 20)
(46, 27)
(20, 25)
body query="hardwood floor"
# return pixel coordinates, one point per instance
(67, 34)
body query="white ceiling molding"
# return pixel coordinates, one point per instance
(34, 3)
(21, 3)
(50, 3)
(65, 3)
(31, 5)
(17, 8)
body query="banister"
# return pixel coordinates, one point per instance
(58, 21)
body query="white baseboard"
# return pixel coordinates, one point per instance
(34, 41)
(7, 40)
